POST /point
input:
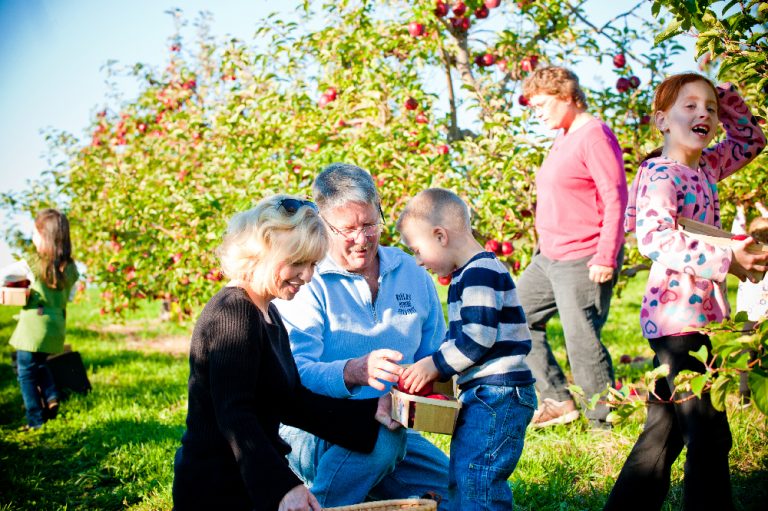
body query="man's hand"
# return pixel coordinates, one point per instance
(419, 374)
(370, 368)
(384, 413)
(600, 274)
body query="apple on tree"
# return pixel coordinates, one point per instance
(493, 245)
(441, 9)
(411, 104)
(416, 29)
(507, 248)
(481, 12)
(459, 8)
(619, 60)
(622, 85)
(492, 4)
(443, 149)
(634, 82)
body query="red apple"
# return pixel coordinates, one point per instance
(441, 397)
(634, 82)
(176, 257)
(415, 29)
(515, 266)
(411, 104)
(625, 359)
(441, 9)
(492, 246)
(502, 65)
(460, 24)
(459, 8)
(331, 92)
(618, 385)
(507, 248)
(529, 63)
(619, 60)
(522, 100)
(324, 101)
(638, 359)
(739, 237)
(481, 12)
(622, 85)
(444, 280)
(645, 119)
(421, 118)
(443, 149)
(141, 127)
(492, 4)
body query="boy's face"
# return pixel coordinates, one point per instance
(428, 245)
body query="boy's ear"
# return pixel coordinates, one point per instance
(441, 235)
(661, 122)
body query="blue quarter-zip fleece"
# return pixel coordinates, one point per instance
(333, 319)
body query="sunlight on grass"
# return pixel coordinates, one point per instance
(114, 448)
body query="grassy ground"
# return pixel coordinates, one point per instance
(113, 449)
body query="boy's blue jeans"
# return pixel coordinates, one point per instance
(36, 385)
(403, 464)
(487, 445)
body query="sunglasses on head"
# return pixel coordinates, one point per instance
(291, 206)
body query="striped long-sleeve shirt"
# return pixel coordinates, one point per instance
(488, 337)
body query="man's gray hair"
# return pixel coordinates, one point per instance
(340, 183)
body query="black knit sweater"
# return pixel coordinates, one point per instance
(243, 383)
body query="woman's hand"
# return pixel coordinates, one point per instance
(600, 274)
(299, 499)
(375, 366)
(744, 262)
(384, 413)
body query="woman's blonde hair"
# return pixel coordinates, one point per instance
(555, 81)
(279, 229)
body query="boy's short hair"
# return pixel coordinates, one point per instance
(437, 206)
(758, 229)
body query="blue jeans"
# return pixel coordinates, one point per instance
(36, 384)
(487, 445)
(403, 464)
(548, 287)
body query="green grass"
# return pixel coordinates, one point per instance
(113, 449)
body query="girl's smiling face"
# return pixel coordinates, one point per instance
(690, 124)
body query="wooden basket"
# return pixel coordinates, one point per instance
(390, 505)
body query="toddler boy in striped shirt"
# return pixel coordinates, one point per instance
(486, 345)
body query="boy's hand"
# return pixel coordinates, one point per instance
(415, 377)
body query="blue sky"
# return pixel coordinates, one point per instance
(52, 53)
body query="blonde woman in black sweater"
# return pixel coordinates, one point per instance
(243, 381)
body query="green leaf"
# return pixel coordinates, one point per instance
(741, 317)
(758, 385)
(719, 392)
(700, 355)
(672, 30)
(697, 384)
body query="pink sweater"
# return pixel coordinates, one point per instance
(582, 193)
(686, 284)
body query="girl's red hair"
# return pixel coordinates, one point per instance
(668, 90)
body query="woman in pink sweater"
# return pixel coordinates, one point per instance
(686, 287)
(582, 193)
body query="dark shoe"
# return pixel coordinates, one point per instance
(52, 410)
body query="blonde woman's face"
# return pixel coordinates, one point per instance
(291, 276)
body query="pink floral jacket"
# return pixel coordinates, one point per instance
(686, 284)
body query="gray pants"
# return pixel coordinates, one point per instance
(547, 287)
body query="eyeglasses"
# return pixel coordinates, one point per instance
(369, 231)
(539, 106)
(291, 206)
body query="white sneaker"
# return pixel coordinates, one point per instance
(553, 412)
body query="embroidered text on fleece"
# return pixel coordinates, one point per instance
(488, 337)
